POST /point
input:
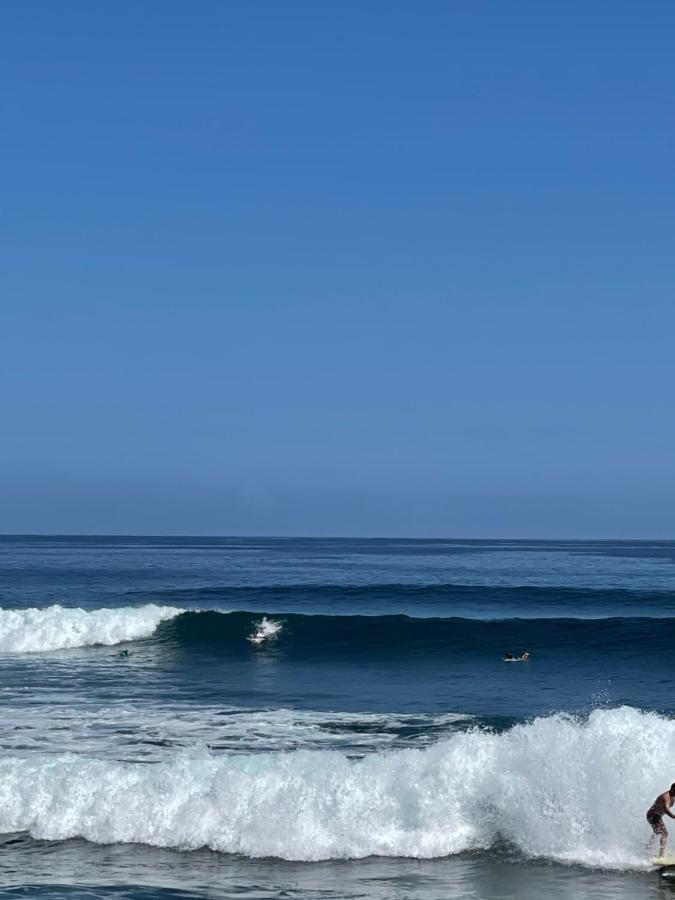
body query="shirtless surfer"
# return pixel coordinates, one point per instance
(661, 807)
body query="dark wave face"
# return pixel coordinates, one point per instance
(404, 663)
(420, 641)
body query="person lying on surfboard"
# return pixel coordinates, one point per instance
(661, 807)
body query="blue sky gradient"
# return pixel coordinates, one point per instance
(369, 268)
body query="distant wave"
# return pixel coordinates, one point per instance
(315, 637)
(424, 600)
(57, 627)
(323, 637)
(541, 787)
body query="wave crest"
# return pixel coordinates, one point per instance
(58, 628)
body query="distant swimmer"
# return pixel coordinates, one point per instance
(661, 807)
(509, 657)
(124, 653)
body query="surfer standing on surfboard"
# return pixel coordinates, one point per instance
(661, 807)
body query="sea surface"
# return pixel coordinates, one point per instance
(373, 744)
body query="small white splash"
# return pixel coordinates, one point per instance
(264, 630)
(58, 628)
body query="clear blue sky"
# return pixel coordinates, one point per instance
(338, 268)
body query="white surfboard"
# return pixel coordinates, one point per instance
(663, 861)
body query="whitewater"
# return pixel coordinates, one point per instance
(59, 628)
(559, 788)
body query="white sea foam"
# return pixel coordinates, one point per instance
(57, 627)
(557, 787)
(145, 732)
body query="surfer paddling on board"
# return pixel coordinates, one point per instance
(661, 807)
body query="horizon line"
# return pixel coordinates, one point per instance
(328, 537)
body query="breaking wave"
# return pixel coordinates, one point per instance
(58, 628)
(342, 637)
(559, 788)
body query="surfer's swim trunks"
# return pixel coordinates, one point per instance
(656, 822)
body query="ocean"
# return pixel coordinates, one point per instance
(373, 744)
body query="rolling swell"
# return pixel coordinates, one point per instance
(423, 600)
(322, 637)
(315, 638)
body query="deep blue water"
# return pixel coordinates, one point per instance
(135, 652)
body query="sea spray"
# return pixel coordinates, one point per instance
(558, 787)
(264, 630)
